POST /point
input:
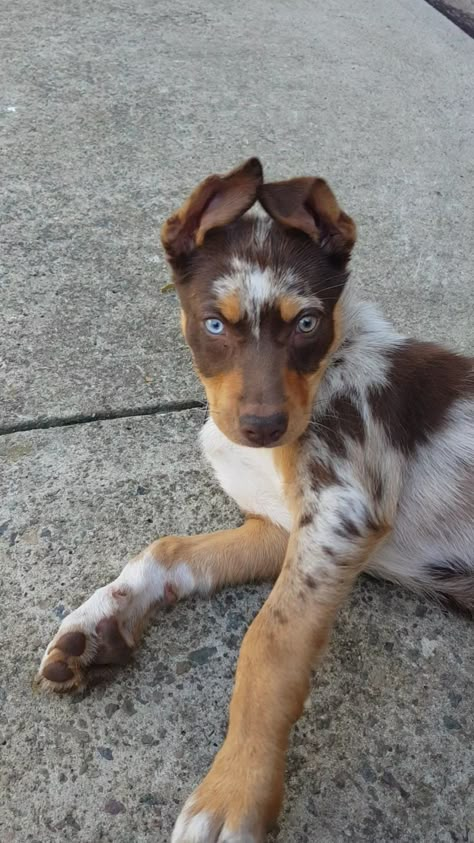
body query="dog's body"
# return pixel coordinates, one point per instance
(348, 448)
(429, 498)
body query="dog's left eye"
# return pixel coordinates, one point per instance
(214, 326)
(307, 324)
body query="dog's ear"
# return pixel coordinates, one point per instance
(309, 205)
(217, 201)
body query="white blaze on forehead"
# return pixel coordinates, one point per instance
(259, 288)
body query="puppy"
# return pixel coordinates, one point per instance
(348, 447)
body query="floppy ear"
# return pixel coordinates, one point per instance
(217, 201)
(309, 205)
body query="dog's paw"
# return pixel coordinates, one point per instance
(96, 637)
(236, 803)
(210, 827)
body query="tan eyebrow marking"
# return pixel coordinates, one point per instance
(230, 306)
(293, 304)
(289, 307)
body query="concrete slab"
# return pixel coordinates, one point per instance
(384, 752)
(110, 115)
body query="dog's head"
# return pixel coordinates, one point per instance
(259, 296)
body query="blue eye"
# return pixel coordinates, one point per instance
(307, 324)
(214, 326)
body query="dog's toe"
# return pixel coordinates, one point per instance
(83, 653)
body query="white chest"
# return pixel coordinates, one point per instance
(248, 475)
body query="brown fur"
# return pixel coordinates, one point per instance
(423, 382)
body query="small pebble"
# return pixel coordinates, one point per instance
(114, 807)
(451, 724)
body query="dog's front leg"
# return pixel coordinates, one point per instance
(105, 629)
(240, 797)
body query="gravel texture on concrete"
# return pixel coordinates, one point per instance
(382, 753)
(110, 114)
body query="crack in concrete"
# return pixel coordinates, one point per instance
(46, 423)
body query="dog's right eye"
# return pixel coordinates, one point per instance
(214, 326)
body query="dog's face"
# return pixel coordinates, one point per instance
(259, 297)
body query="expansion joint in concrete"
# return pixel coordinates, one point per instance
(47, 422)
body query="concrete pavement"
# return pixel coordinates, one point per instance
(109, 114)
(383, 752)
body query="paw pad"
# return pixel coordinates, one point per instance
(71, 643)
(57, 672)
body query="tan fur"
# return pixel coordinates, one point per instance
(254, 551)
(301, 389)
(223, 392)
(230, 306)
(284, 642)
(286, 459)
(289, 307)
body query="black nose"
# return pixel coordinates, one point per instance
(264, 430)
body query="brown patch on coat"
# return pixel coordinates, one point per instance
(306, 519)
(342, 419)
(349, 418)
(453, 583)
(423, 382)
(333, 438)
(310, 582)
(347, 528)
(322, 475)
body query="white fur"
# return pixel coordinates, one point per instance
(140, 585)
(368, 336)
(203, 828)
(227, 836)
(248, 475)
(434, 520)
(195, 829)
(258, 288)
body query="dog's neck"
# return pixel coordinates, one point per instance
(359, 358)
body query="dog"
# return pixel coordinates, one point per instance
(348, 448)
